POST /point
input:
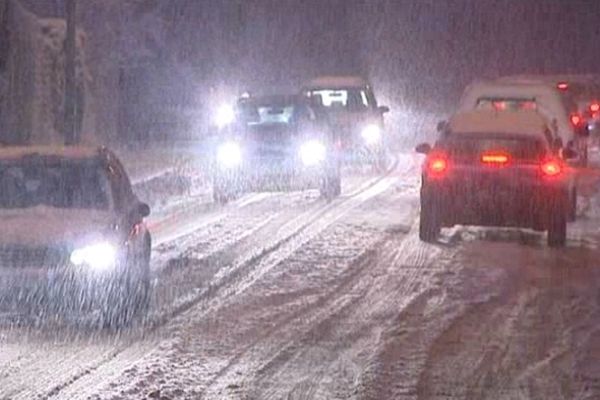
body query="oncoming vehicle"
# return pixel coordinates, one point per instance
(501, 174)
(351, 108)
(73, 234)
(524, 96)
(276, 142)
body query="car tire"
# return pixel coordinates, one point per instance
(331, 187)
(222, 195)
(429, 221)
(557, 230)
(572, 205)
(129, 295)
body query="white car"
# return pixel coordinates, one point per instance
(72, 233)
(524, 96)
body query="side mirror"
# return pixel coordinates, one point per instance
(569, 154)
(383, 109)
(423, 148)
(143, 209)
(441, 126)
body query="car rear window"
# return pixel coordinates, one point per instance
(53, 182)
(506, 104)
(472, 147)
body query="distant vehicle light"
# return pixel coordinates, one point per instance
(229, 155)
(100, 256)
(594, 107)
(494, 158)
(437, 164)
(551, 168)
(371, 134)
(312, 153)
(225, 115)
(576, 119)
(563, 86)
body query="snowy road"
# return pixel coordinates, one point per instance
(285, 296)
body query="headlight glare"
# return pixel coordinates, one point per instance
(371, 134)
(229, 155)
(313, 153)
(224, 116)
(100, 256)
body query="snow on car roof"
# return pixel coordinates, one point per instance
(76, 152)
(510, 89)
(328, 82)
(513, 122)
(554, 79)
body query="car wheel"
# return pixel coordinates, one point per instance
(573, 205)
(221, 194)
(331, 187)
(557, 230)
(429, 221)
(129, 295)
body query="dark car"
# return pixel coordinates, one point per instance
(494, 179)
(350, 106)
(72, 233)
(275, 143)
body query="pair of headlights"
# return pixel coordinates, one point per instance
(311, 152)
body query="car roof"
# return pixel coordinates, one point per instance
(529, 123)
(337, 81)
(72, 152)
(553, 79)
(525, 89)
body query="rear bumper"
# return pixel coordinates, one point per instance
(529, 208)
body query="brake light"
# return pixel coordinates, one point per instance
(594, 107)
(576, 119)
(437, 165)
(494, 158)
(562, 86)
(551, 168)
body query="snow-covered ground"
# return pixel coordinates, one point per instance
(286, 296)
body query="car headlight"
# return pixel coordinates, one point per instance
(229, 155)
(99, 256)
(224, 116)
(371, 134)
(313, 153)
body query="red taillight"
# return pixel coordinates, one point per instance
(562, 85)
(437, 164)
(494, 158)
(576, 119)
(551, 168)
(594, 107)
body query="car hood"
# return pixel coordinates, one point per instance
(49, 226)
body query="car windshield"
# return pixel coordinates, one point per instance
(56, 183)
(506, 104)
(349, 99)
(275, 113)
(470, 147)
